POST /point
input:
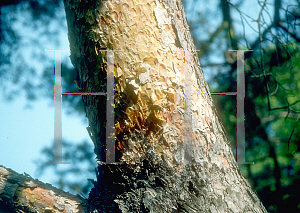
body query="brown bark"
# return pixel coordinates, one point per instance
(21, 193)
(171, 163)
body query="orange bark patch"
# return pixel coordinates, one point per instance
(39, 194)
(224, 160)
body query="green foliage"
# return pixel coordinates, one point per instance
(272, 107)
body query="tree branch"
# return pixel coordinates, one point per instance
(22, 193)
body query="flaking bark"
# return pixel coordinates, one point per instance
(171, 163)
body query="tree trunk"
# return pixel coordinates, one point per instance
(174, 151)
(176, 156)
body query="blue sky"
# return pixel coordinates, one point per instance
(24, 130)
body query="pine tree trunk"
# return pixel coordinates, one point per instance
(175, 153)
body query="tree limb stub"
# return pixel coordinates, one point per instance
(21, 193)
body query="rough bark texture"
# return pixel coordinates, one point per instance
(21, 193)
(176, 155)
